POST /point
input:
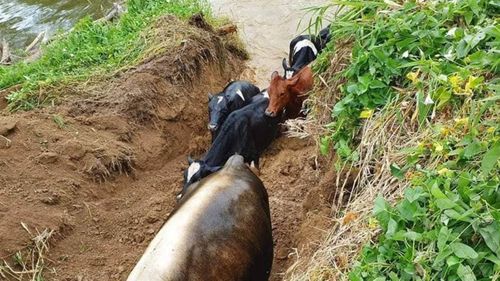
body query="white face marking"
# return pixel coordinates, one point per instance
(306, 43)
(220, 99)
(289, 74)
(240, 94)
(193, 169)
(265, 94)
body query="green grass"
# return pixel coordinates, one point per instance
(91, 49)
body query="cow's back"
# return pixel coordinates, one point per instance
(220, 231)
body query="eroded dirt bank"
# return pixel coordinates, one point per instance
(102, 168)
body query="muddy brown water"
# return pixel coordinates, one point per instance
(266, 28)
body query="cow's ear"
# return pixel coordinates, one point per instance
(210, 96)
(293, 81)
(284, 64)
(274, 75)
(215, 169)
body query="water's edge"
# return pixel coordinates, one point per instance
(22, 20)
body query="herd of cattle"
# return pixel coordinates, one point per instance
(221, 227)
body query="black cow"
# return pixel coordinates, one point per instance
(219, 231)
(304, 49)
(235, 95)
(247, 131)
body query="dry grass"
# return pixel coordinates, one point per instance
(29, 263)
(104, 163)
(326, 91)
(382, 138)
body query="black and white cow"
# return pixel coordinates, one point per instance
(304, 49)
(235, 95)
(247, 131)
(220, 231)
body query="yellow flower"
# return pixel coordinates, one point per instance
(443, 171)
(421, 144)
(461, 121)
(365, 114)
(444, 131)
(373, 223)
(438, 147)
(413, 76)
(456, 82)
(491, 130)
(472, 84)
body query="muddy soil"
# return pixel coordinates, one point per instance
(102, 168)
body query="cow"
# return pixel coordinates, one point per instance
(247, 131)
(304, 49)
(220, 231)
(289, 94)
(235, 95)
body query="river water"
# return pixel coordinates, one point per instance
(22, 20)
(266, 26)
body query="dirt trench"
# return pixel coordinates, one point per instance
(102, 168)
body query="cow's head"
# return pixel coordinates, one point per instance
(196, 171)
(280, 93)
(288, 70)
(217, 110)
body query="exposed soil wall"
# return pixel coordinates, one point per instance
(102, 168)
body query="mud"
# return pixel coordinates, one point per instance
(102, 168)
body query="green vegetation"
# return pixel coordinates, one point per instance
(91, 49)
(438, 45)
(447, 226)
(433, 67)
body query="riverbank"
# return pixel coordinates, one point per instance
(408, 107)
(90, 174)
(87, 183)
(93, 50)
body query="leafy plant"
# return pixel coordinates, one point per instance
(431, 67)
(447, 226)
(438, 51)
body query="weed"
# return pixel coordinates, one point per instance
(59, 120)
(28, 264)
(447, 223)
(440, 51)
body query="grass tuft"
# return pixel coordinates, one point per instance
(29, 263)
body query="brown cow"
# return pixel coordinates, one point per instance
(290, 93)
